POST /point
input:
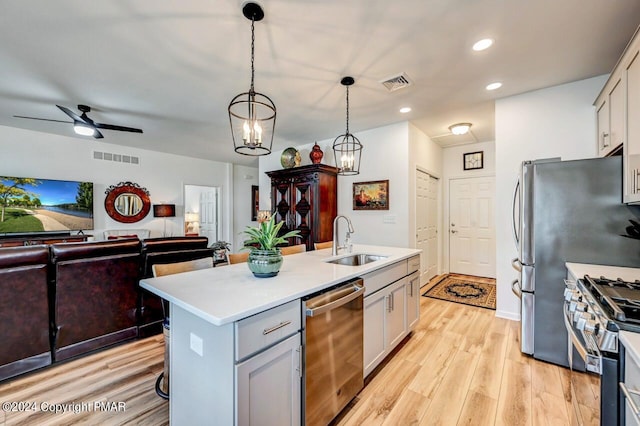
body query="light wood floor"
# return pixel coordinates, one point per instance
(461, 366)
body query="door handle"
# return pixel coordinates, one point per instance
(515, 288)
(357, 291)
(515, 263)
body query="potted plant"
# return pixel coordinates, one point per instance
(220, 249)
(265, 258)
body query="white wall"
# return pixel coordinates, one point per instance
(33, 154)
(243, 178)
(453, 169)
(389, 152)
(553, 122)
(426, 155)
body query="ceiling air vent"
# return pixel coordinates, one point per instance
(396, 82)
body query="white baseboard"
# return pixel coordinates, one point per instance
(513, 316)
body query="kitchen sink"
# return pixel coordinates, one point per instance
(356, 259)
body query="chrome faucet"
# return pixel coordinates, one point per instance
(347, 245)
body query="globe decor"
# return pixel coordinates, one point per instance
(265, 258)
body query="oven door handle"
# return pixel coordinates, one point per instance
(627, 395)
(592, 359)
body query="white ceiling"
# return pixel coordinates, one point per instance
(171, 67)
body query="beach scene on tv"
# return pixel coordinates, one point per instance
(41, 205)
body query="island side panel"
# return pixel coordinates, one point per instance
(201, 387)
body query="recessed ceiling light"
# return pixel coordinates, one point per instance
(494, 86)
(483, 44)
(405, 110)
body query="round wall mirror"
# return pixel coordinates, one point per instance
(127, 202)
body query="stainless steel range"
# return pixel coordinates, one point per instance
(595, 310)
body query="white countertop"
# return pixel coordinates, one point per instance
(631, 342)
(228, 293)
(579, 270)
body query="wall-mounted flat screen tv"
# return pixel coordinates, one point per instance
(42, 205)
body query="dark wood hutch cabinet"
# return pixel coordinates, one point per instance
(306, 198)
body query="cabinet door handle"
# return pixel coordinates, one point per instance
(275, 327)
(605, 135)
(388, 303)
(411, 289)
(299, 368)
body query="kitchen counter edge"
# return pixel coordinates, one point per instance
(226, 294)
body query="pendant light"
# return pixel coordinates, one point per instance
(252, 115)
(347, 148)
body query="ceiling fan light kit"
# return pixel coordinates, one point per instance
(82, 124)
(347, 149)
(83, 129)
(252, 115)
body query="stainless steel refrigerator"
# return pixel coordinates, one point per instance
(565, 211)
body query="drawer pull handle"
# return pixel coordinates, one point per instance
(275, 327)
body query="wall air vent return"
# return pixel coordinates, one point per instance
(118, 158)
(396, 82)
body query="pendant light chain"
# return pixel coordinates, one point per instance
(253, 42)
(347, 110)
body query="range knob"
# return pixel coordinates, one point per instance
(578, 306)
(569, 294)
(592, 326)
(580, 319)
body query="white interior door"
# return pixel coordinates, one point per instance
(427, 224)
(209, 214)
(472, 244)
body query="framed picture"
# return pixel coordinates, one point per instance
(255, 201)
(473, 160)
(372, 195)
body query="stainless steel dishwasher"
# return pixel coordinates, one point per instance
(333, 354)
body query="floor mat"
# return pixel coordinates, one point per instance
(467, 289)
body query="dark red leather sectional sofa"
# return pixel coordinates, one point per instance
(64, 300)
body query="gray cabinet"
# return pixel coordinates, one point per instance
(268, 386)
(413, 300)
(632, 148)
(618, 118)
(610, 116)
(391, 309)
(242, 373)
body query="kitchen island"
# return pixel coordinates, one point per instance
(233, 335)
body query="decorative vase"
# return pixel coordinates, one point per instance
(316, 154)
(265, 263)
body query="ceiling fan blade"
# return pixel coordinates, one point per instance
(97, 134)
(73, 115)
(41, 119)
(114, 127)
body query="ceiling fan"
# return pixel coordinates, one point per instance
(83, 125)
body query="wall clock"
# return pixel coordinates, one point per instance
(473, 160)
